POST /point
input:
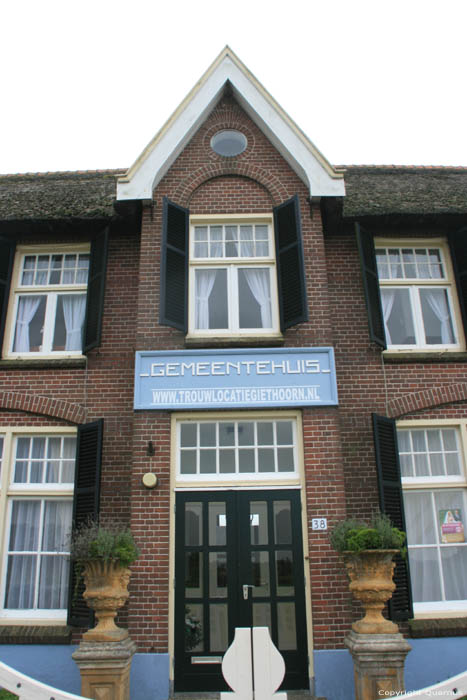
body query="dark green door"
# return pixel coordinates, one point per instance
(238, 563)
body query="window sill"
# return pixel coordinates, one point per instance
(230, 341)
(439, 627)
(42, 362)
(35, 634)
(394, 357)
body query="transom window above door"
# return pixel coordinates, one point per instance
(242, 449)
(233, 285)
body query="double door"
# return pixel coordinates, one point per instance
(238, 563)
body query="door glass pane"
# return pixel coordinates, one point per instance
(218, 627)
(218, 574)
(193, 524)
(260, 574)
(194, 627)
(287, 635)
(284, 573)
(193, 574)
(262, 615)
(217, 524)
(282, 522)
(258, 522)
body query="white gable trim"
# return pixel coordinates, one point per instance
(303, 157)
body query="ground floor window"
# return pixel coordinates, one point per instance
(435, 502)
(36, 492)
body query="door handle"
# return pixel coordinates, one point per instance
(245, 588)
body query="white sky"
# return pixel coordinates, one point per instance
(86, 84)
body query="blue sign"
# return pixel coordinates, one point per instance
(222, 379)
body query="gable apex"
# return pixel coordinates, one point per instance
(304, 158)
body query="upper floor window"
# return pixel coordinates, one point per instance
(232, 278)
(48, 304)
(228, 275)
(417, 296)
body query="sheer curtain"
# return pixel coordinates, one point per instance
(258, 282)
(424, 563)
(387, 300)
(204, 283)
(24, 536)
(55, 567)
(74, 307)
(439, 305)
(27, 307)
(53, 563)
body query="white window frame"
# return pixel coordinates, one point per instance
(415, 284)
(232, 265)
(441, 608)
(243, 479)
(9, 491)
(52, 292)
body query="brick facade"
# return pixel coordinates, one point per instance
(339, 458)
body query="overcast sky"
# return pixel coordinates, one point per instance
(86, 84)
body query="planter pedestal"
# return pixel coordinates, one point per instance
(105, 668)
(378, 664)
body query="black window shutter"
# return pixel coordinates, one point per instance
(366, 250)
(458, 246)
(7, 252)
(391, 503)
(96, 291)
(293, 307)
(174, 266)
(85, 506)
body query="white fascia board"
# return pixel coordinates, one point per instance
(302, 156)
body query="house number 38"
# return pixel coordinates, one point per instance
(319, 523)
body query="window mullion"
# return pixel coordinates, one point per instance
(438, 548)
(49, 325)
(233, 305)
(420, 337)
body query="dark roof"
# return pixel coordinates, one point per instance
(370, 191)
(377, 190)
(45, 196)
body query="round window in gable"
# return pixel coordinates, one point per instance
(229, 143)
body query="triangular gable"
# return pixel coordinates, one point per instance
(303, 157)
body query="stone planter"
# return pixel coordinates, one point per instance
(106, 591)
(370, 573)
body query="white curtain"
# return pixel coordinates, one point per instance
(439, 305)
(424, 564)
(258, 282)
(27, 307)
(204, 283)
(387, 300)
(54, 568)
(54, 563)
(74, 307)
(24, 536)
